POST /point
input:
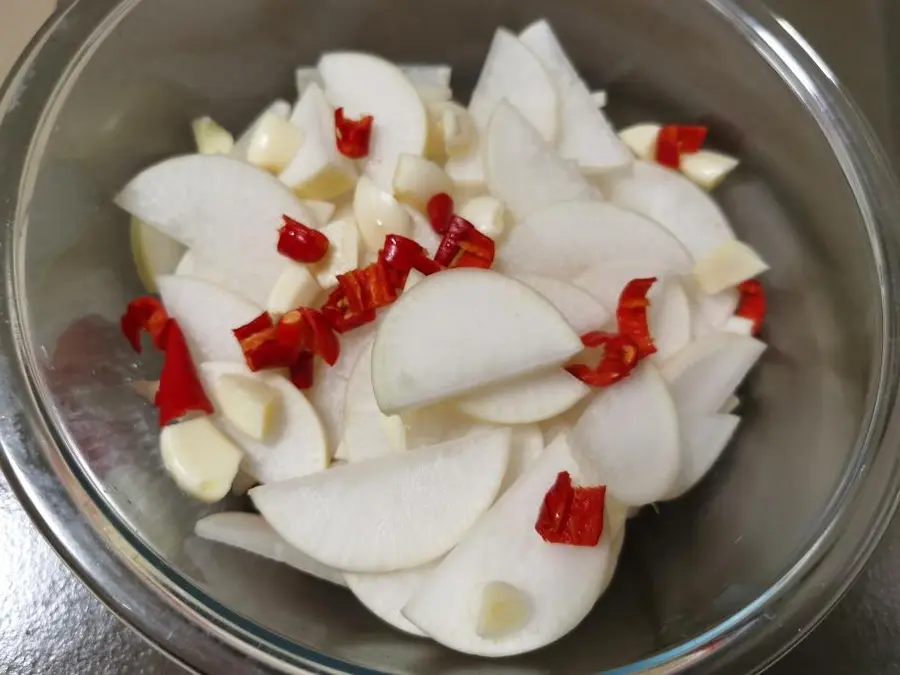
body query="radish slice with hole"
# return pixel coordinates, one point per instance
(207, 314)
(523, 170)
(585, 134)
(627, 438)
(250, 532)
(669, 319)
(395, 512)
(579, 307)
(386, 594)
(460, 330)
(565, 240)
(296, 445)
(703, 376)
(561, 583)
(673, 201)
(704, 438)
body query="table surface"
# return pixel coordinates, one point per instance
(51, 624)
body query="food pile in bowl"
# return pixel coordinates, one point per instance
(448, 350)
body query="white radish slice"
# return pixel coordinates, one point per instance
(627, 438)
(417, 180)
(185, 266)
(732, 263)
(703, 376)
(669, 318)
(378, 214)
(579, 307)
(527, 447)
(439, 424)
(567, 239)
(396, 512)
(703, 439)
(207, 315)
(422, 232)
(322, 210)
(250, 532)
(368, 433)
(513, 73)
(354, 344)
(523, 170)
(487, 214)
(364, 84)
(586, 135)
(460, 330)
(641, 139)
(328, 396)
(386, 594)
(675, 202)
(707, 168)
(154, 253)
(343, 251)
(524, 400)
(211, 138)
(227, 210)
(318, 170)
(710, 312)
(296, 445)
(561, 583)
(606, 280)
(278, 109)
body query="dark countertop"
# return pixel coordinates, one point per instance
(51, 624)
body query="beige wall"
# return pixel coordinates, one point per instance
(18, 21)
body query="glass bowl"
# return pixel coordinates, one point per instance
(722, 581)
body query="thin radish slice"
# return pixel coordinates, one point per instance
(606, 280)
(251, 533)
(154, 253)
(703, 376)
(523, 170)
(527, 447)
(579, 307)
(439, 424)
(386, 594)
(420, 75)
(297, 445)
(422, 232)
(703, 438)
(460, 330)
(710, 312)
(225, 209)
(627, 438)
(586, 135)
(525, 400)
(328, 396)
(185, 267)
(567, 239)
(560, 583)
(396, 512)
(207, 314)
(673, 201)
(669, 319)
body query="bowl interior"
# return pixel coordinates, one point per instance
(127, 102)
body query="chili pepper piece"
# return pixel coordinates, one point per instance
(309, 331)
(144, 314)
(300, 242)
(353, 137)
(440, 210)
(675, 140)
(570, 515)
(180, 390)
(462, 243)
(257, 325)
(631, 314)
(753, 304)
(620, 357)
(302, 371)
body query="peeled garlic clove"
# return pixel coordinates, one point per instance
(739, 325)
(296, 287)
(201, 459)
(211, 138)
(250, 405)
(504, 610)
(487, 214)
(641, 139)
(343, 251)
(707, 168)
(457, 129)
(378, 214)
(727, 266)
(599, 98)
(273, 143)
(416, 180)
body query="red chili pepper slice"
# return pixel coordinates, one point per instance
(631, 314)
(180, 390)
(144, 314)
(301, 243)
(401, 254)
(675, 140)
(620, 357)
(358, 295)
(339, 316)
(571, 515)
(440, 210)
(753, 304)
(353, 136)
(302, 371)
(465, 246)
(259, 324)
(309, 331)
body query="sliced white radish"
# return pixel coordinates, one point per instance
(579, 307)
(354, 344)
(318, 170)
(707, 168)
(606, 280)
(417, 180)
(201, 459)
(565, 240)
(460, 330)
(395, 512)
(378, 214)
(296, 445)
(207, 314)
(531, 398)
(523, 170)
(154, 253)
(386, 594)
(641, 139)
(364, 84)
(703, 439)
(710, 312)
(211, 138)
(328, 396)
(513, 73)
(249, 404)
(277, 110)
(322, 210)
(185, 266)
(586, 135)
(599, 98)
(561, 583)
(343, 251)
(487, 214)
(527, 447)
(428, 75)
(224, 209)
(617, 444)
(673, 201)
(727, 266)
(703, 376)
(368, 433)
(296, 287)
(669, 318)
(456, 129)
(412, 279)
(250, 532)
(438, 424)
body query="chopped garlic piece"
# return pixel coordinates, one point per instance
(211, 138)
(487, 214)
(599, 98)
(416, 180)
(343, 252)
(739, 325)
(201, 459)
(395, 430)
(249, 404)
(296, 287)
(457, 129)
(727, 266)
(707, 168)
(378, 214)
(273, 143)
(504, 610)
(641, 139)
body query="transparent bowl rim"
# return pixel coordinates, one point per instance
(194, 629)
